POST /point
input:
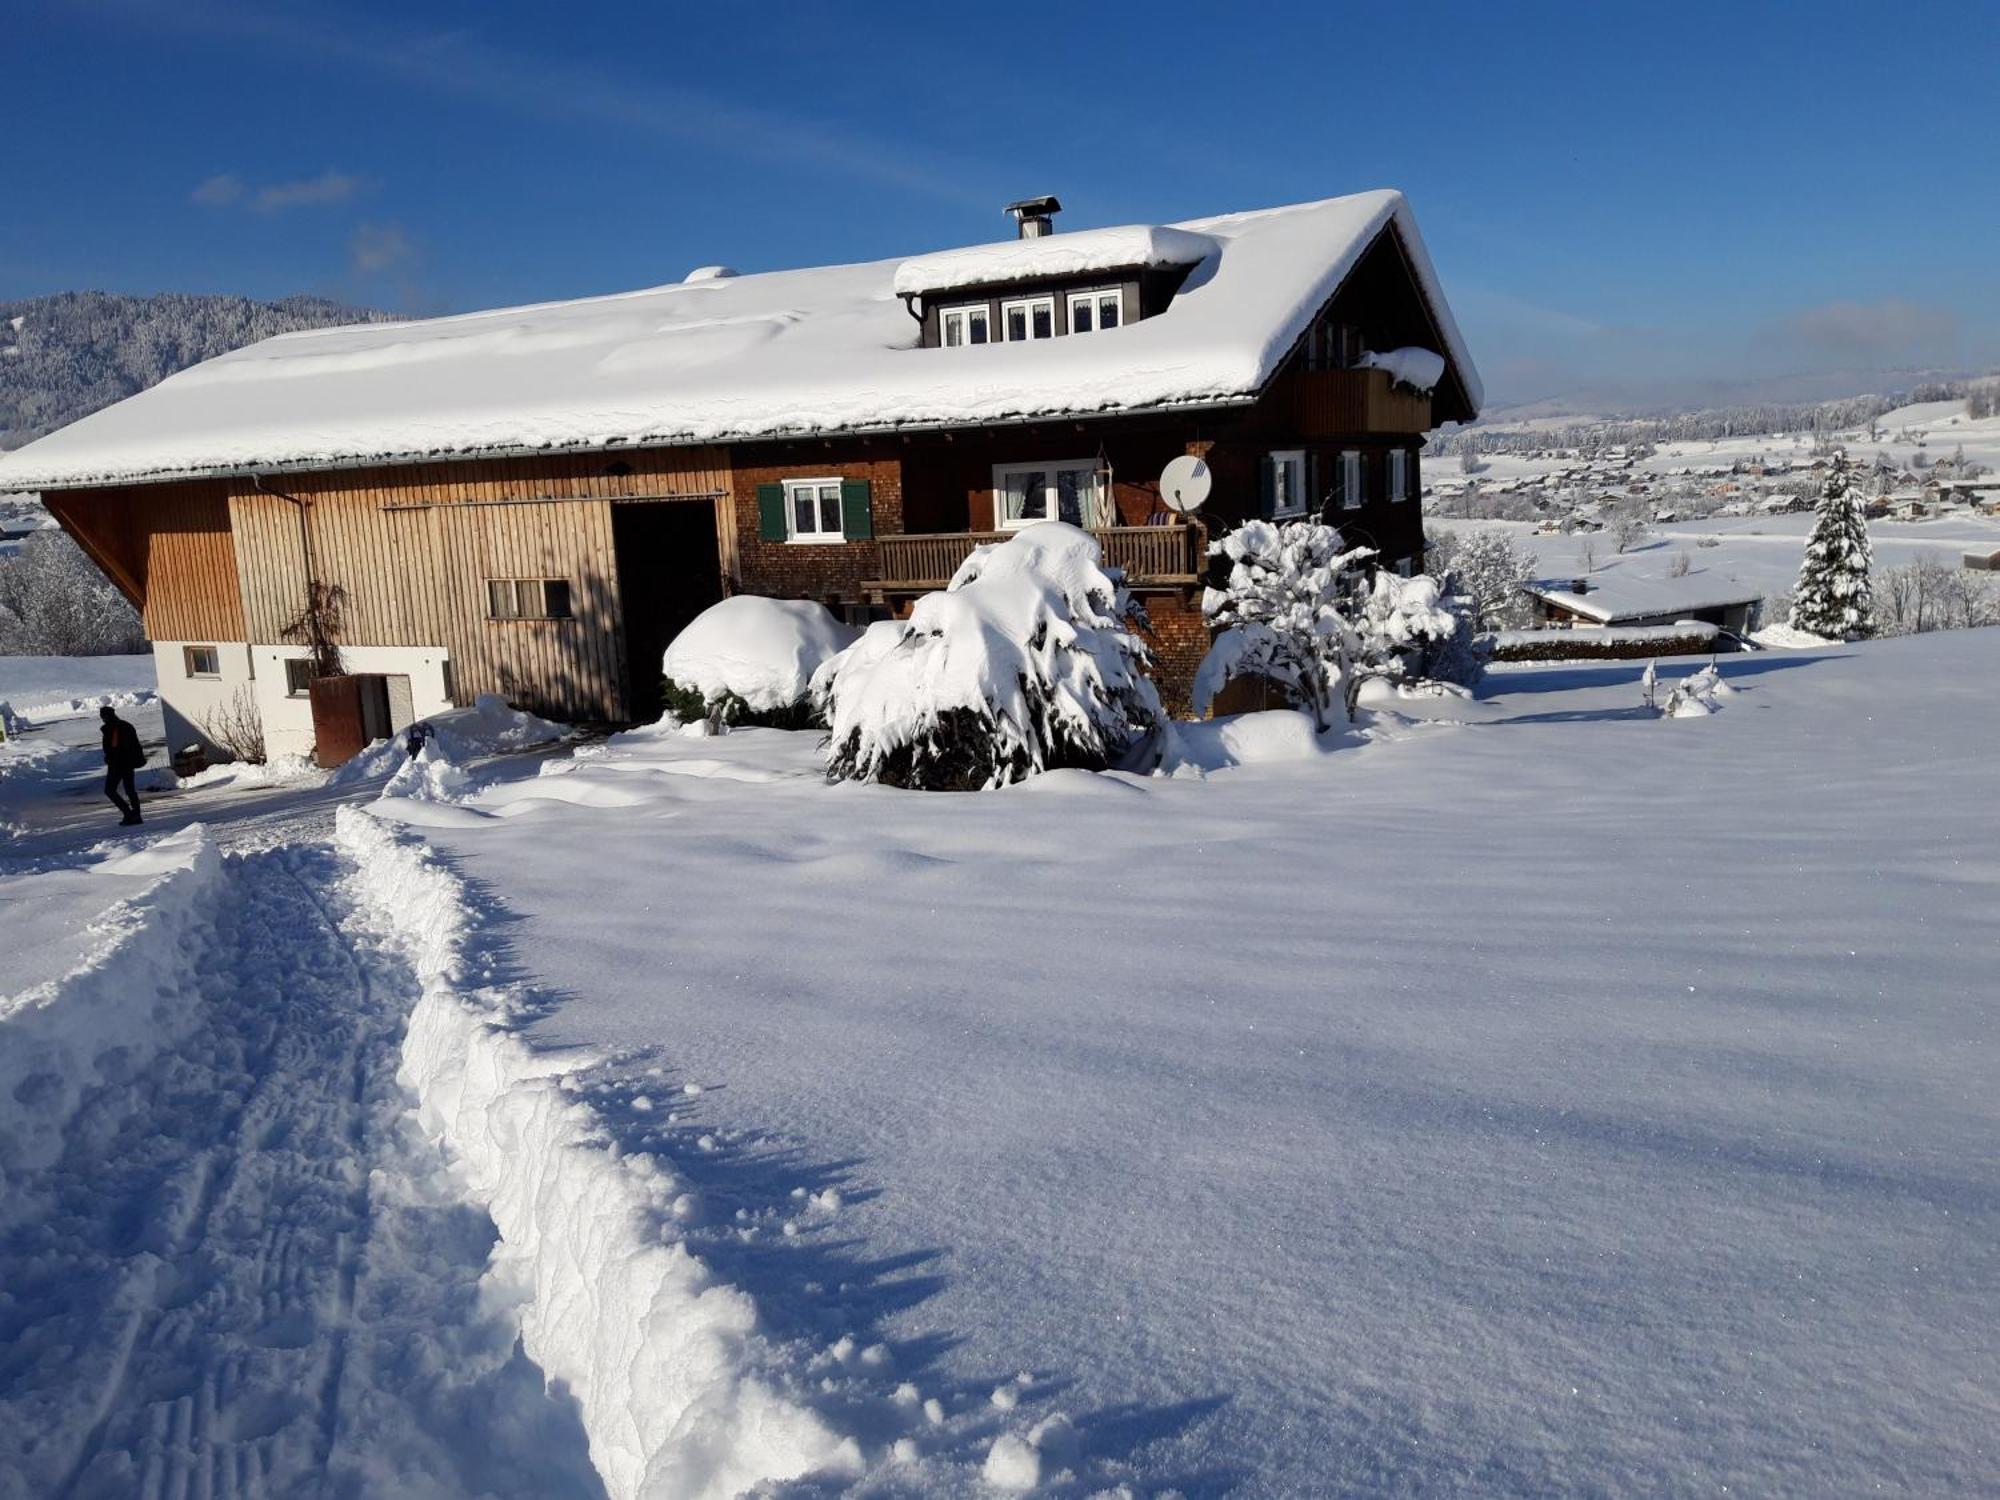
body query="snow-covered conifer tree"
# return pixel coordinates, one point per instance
(1833, 597)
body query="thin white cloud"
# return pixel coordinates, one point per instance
(328, 187)
(227, 190)
(377, 247)
(1888, 331)
(542, 87)
(217, 191)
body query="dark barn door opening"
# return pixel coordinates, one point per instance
(669, 571)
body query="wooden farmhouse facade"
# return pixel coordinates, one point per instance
(531, 503)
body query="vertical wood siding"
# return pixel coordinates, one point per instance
(168, 548)
(412, 548)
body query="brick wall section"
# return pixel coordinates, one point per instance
(1178, 640)
(829, 572)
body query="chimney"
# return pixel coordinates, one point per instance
(1579, 586)
(1035, 217)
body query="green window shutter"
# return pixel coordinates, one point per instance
(771, 513)
(857, 510)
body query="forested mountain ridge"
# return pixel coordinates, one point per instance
(67, 355)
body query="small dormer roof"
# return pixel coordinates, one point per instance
(1088, 252)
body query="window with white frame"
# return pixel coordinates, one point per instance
(1285, 481)
(1350, 479)
(812, 510)
(201, 661)
(965, 325)
(1026, 318)
(1092, 311)
(1072, 490)
(1399, 474)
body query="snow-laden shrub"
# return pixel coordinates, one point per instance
(1489, 569)
(1024, 663)
(1695, 696)
(751, 660)
(1415, 630)
(1833, 597)
(1279, 613)
(1297, 609)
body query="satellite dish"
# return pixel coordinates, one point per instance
(1185, 483)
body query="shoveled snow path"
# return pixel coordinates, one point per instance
(246, 1274)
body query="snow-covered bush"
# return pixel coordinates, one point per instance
(1693, 697)
(751, 660)
(54, 602)
(1487, 568)
(1414, 630)
(1024, 663)
(1833, 597)
(1279, 613)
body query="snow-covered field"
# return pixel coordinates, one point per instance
(1762, 553)
(1528, 1097)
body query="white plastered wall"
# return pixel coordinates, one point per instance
(190, 705)
(288, 726)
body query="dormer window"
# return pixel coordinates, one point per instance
(1090, 311)
(965, 325)
(1024, 318)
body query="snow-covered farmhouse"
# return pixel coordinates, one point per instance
(531, 501)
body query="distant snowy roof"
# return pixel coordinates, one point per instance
(735, 358)
(1127, 247)
(1615, 595)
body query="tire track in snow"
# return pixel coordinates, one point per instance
(185, 1317)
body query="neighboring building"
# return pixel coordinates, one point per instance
(532, 501)
(1617, 598)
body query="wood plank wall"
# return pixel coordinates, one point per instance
(413, 547)
(168, 548)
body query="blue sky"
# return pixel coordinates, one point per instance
(1626, 204)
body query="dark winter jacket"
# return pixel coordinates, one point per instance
(121, 747)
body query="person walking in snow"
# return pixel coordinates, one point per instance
(122, 757)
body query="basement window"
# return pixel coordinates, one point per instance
(527, 599)
(298, 677)
(964, 325)
(201, 661)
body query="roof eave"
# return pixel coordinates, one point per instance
(542, 450)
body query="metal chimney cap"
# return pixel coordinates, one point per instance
(1039, 208)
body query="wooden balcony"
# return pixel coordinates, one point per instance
(1150, 555)
(1328, 403)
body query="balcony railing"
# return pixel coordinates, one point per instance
(1148, 554)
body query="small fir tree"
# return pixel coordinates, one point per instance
(1833, 597)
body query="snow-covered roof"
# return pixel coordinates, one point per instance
(732, 358)
(1124, 248)
(1615, 595)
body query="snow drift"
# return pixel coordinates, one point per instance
(113, 1010)
(666, 1363)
